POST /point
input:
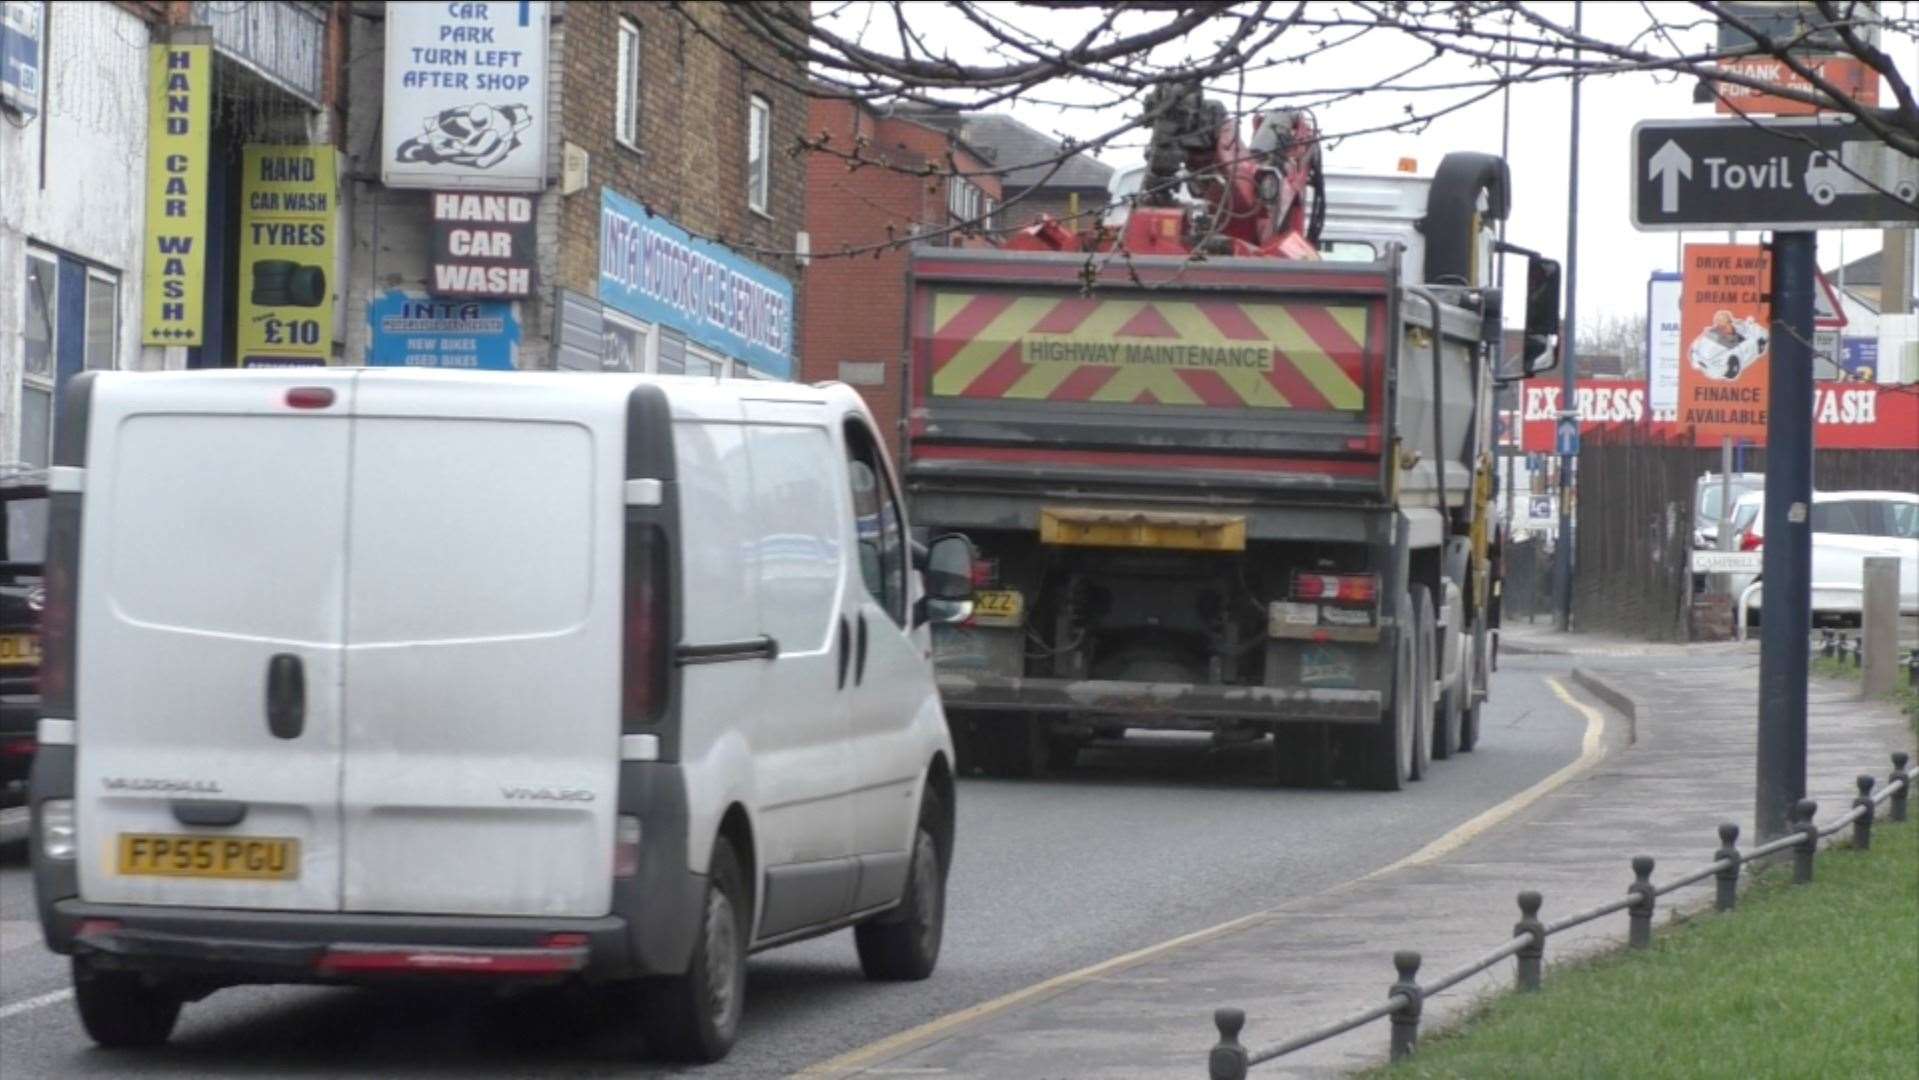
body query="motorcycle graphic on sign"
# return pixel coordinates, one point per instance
(479, 136)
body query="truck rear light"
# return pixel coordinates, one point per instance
(18, 748)
(1751, 541)
(985, 573)
(96, 927)
(646, 626)
(565, 941)
(1336, 588)
(626, 846)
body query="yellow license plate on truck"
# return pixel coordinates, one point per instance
(243, 858)
(22, 650)
(998, 607)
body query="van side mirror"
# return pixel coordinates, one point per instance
(1542, 314)
(948, 574)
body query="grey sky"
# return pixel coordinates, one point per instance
(1615, 260)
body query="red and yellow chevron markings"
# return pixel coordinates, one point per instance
(1291, 355)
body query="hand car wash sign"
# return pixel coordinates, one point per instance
(465, 98)
(179, 90)
(652, 269)
(482, 245)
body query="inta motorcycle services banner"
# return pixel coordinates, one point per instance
(1724, 334)
(287, 222)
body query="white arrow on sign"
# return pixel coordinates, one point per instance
(1669, 165)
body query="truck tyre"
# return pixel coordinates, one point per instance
(1388, 755)
(903, 945)
(1468, 191)
(1447, 718)
(120, 1008)
(1425, 635)
(695, 1016)
(1481, 684)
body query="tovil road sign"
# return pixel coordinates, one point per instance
(1793, 174)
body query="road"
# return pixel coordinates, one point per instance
(1138, 844)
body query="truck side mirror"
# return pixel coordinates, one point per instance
(1542, 313)
(949, 580)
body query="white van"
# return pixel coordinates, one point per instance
(355, 676)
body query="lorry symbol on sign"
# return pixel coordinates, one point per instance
(1865, 167)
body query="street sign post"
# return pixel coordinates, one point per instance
(1800, 174)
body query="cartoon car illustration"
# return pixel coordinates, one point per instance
(478, 135)
(1728, 346)
(1865, 167)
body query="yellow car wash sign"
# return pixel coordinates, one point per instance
(1202, 352)
(288, 211)
(179, 87)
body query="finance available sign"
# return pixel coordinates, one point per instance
(1725, 331)
(483, 246)
(289, 207)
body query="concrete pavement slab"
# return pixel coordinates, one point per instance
(1323, 957)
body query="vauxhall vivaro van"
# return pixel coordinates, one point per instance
(353, 676)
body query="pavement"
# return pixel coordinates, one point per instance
(1316, 958)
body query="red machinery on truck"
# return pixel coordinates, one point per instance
(1219, 482)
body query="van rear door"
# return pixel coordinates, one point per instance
(482, 694)
(210, 620)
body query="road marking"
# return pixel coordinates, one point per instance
(1591, 749)
(866, 1057)
(54, 997)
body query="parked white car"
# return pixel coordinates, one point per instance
(497, 679)
(1847, 527)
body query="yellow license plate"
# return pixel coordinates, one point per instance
(246, 858)
(20, 650)
(998, 607)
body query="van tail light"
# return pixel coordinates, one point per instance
(626, 846)
(1751, 541)
(647, 626)
(57, 631)
(1336, 588)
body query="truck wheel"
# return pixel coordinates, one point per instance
(695, 1016)
(903, 945)
(1446, 718)
(1483, 640)
(1388, 760)
(1426, 627)
(120, 1009)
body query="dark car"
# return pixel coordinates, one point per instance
(23, 516)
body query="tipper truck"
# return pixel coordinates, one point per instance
(1218, 482)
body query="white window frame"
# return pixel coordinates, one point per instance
(89, 362)
(30, 380)
(648, 334)
(627, 98)
(759, 153)
(718, 361)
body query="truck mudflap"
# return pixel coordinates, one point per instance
(970, 690)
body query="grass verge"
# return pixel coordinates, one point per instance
(1820, 980)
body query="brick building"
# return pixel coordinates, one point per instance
(1034, 178)
(853, 317)
(666, 221)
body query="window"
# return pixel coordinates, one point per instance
(625, 342)
(876, 523)
(701, 362)
(672, 358)
(626, 101)
(37, 377)
(1849, 518)
(963, 199)
(759, 147)
(992, 206)
(1902, 520)
(103, 320)
(1356, 251)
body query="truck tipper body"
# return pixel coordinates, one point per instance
(1242, 495)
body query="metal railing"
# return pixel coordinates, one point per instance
(1841, 646)
(1230, 1059)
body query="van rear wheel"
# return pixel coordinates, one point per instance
(121, 1009)
(903, 945)
(695, 1016)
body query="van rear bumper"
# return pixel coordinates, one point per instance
(224, 946)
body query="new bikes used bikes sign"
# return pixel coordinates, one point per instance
(465, 100)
